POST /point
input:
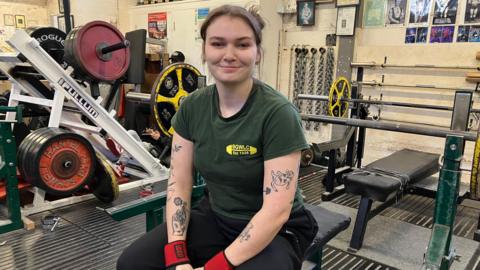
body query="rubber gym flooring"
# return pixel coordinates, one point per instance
(87, 238)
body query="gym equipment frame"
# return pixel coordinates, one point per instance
(68, 88)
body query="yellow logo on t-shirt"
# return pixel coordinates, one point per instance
(241, 150)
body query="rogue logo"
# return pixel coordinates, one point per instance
(72, 92)
(241, 150)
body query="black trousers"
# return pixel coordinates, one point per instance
(208, 233)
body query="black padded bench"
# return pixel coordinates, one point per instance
(329, 225)
(383, 180)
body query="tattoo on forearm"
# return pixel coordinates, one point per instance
(170, 191)
(245, 235)
(179, 218)
(280, 179)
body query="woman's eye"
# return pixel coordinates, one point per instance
(244, 45)
(216, 44)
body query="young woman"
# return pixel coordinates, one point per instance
(244, 138)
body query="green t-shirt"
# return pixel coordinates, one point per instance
(230, 152)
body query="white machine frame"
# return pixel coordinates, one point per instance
(69, 92)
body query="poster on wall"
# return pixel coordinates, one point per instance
(419, 11)
(462, 34)
(472, 9)
(374, 13)
(442, 34)
(410, 35)
(422, 33)
(474, 34)
(396, 12)
(157, 25)
(305, 12)
(201, 15)
(445, 11)
(346, 21)
(416, 35)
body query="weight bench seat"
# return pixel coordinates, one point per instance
(382, 179)
(329, 225)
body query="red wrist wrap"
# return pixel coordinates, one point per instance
(219, 262)
(176, 253)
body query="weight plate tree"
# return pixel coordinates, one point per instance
(172, 85)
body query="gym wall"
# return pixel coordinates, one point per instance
(374, 44)
(35, 14)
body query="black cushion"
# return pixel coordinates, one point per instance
(329, 225)
(381, 179)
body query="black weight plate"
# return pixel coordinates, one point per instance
(23, 149)
(52, 40)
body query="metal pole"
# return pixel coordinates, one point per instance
(374, 64)
(385, 103)
(420, 130)
(430, 86)
(66, 13)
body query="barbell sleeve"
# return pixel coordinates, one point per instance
(114, 47)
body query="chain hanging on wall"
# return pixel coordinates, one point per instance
(296, 79)
(311, 84)
(320, 84)
(302, 83)
(329, 65)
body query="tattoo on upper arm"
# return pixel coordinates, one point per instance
(179, 218)
(280, 179)
(245, 235)
(176, 148)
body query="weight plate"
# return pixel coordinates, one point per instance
(52, 40)
(104, 184)
(81, 47)
(172, 85)
(24, 148)
(340, 89)
(306, 158)
(59, 162)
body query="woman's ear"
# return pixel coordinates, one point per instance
(259, 56)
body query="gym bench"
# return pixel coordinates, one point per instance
(385, 180)
(329, 223)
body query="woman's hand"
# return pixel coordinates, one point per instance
(200, 268)
(184, 267)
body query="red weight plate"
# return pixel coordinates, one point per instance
(87, 39)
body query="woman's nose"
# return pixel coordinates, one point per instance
(229, 54)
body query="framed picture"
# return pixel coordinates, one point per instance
(8, 20)
(20, 21)
(346, 3)
(346, 21)
(61, 22)
(305, 12)
(60, 6)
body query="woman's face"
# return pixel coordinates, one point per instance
(230, 50)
